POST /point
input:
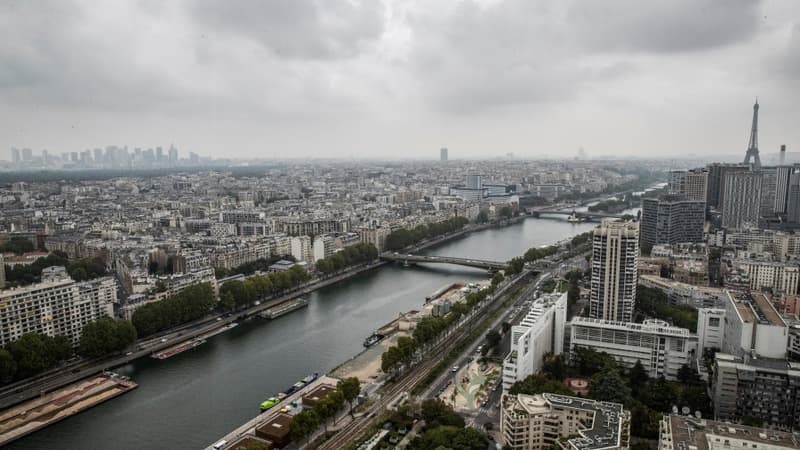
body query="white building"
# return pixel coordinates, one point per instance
(545, 421)
(57, 306)
(301, 248)
(753, 325)
(710, 328)
(661, 348)
(323, 247)
(688, 433)
(539, 333)
(615, 250)
(780, 277)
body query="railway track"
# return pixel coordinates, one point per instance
(419, 372)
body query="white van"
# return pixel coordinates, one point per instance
(220, 445)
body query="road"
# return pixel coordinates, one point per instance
(419, 373)
(514, 313)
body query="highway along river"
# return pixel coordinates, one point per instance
(192, 399)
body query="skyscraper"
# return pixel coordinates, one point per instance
(716, 182)
(15, 155)
(782, 175)
(27, 154)
(742, 200)
(443, 154)
(793, 199)
(769, 187)
(691, 183)
(671, 219)
(615, 252)
(752, 147)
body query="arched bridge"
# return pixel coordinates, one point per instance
(469, 262)
(580, 215)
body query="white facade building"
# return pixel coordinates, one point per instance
(661, 348)
(57, 306)
(301, 248)
(710, 328)
(753, 325)
(688, 433)
(539, 333)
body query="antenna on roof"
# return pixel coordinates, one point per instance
(674, 409)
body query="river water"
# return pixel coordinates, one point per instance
(193, 399)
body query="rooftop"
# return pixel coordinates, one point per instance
(756, 307)
(693, 433)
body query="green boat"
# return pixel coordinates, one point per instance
(269, 403)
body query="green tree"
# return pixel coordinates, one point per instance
(637, 378)
(450, 437)
(8, 367)
(537, 384)
(688, 375)
(350, 389)
(35, 353)
(104, 336)
(436, 413)
(303, 424)
(609, 386)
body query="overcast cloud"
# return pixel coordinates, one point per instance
(351, 78)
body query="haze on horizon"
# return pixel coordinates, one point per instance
(400, 79)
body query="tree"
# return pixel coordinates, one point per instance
(688, 375)
(8, 367)
(493, 338)
(505, 326)
(104, 336)
(303, 424)
(350, 389)
(407, 347)
(450, 437)
(436, 413)
(554, 367)
(497, 278)
(637, 378)
(482, 217)
(505, 212)
(537, 384)
(35, 353)
(608, 386)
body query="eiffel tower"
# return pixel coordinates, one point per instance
(752, 148)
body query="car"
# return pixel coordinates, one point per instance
(455, 368)
(128, 354)
(163, 340)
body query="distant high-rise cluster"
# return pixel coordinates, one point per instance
(443, 154)
(112, 157)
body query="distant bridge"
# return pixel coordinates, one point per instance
(576, 215)
(468, 262)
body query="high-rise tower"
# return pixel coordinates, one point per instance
(752, 148)
(615, 249)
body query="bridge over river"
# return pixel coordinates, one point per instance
(469, 262)
(573, 215)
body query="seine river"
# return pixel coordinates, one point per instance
(192, 399)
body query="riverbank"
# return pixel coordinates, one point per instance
(218, 383)
(188, 332)
(58, 405)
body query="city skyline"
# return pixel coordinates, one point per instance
(377, 80)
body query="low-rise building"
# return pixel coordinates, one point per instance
(660, 347)
(690, 433)
(536, 422)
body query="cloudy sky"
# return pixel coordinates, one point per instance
(400, 79)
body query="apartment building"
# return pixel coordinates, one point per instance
(661, 348)
(57, 306)
(672, 219)
(762, 388)
(544, 421)
(615, 249)
(777, 276)
(539, 333)
(688, 433)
